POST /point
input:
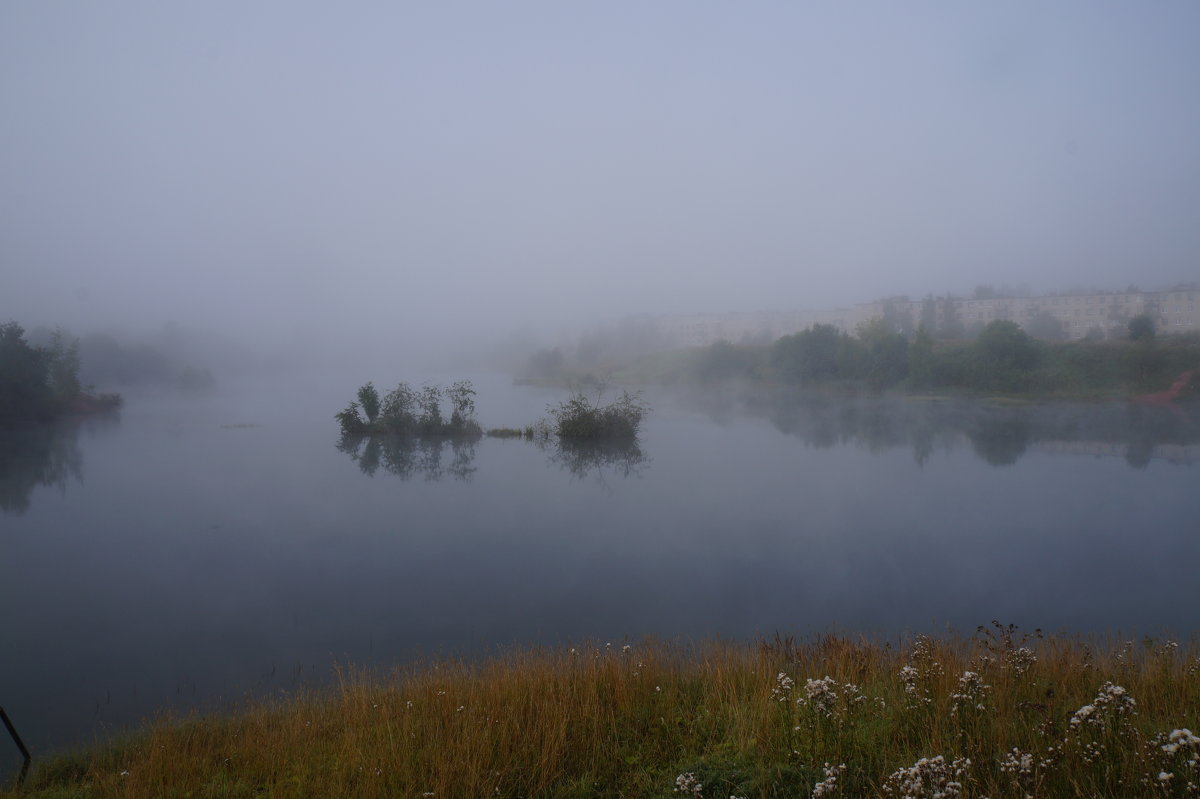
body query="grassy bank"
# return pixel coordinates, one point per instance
(835, 716)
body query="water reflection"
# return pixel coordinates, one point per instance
(426, 456)
(412, 456)
(596, 460)
(999, 434)
(40, 455)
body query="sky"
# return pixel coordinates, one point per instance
(398, 174)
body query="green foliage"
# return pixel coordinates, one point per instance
(351, 421)
(1141, 328)
(817, 353)
(429, 405)
(1004, 345)
(24, 377)
(41, 382)
(921, 359)
(1046, 326)
(883, 360)
(462, 403)
(63, 373)
(368, 399)
(404, 411)
(578, 419)
(399, 408)
(722, 362)
(1003, 357)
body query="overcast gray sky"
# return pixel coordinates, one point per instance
(394, 169)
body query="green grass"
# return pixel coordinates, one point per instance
(612, 721)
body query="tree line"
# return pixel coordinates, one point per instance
(39, 383)
(1002, 358)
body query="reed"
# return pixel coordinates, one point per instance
(997, 714)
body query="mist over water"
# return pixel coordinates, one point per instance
(244, 213)
(399, 181)
(199, 548)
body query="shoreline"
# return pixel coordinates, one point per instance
(764, 718)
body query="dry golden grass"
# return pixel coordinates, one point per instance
(619, 721)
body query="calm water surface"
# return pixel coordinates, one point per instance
(197, 549)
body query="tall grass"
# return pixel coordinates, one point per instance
(996, 715)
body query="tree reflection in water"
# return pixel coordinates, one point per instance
(999, 434)
(598, 460)
(412, 456)
(41, 455)
(426, 456)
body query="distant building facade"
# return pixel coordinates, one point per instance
(1065, 316)
(1097, 315)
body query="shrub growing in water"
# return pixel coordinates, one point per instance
(578, 419)
(407, 412)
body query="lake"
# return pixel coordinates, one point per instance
(196, 549)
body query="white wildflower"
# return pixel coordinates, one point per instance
(913, 695)
(1112, 705)
(971, 694)
(928, 778)
(829, 786)
(783, 686)
(1019, 660)
(688, 783)
(829, 699)
(1179, 739)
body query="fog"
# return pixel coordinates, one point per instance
(401, 179)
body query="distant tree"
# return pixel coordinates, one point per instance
(1004, 345)
(25, 391)
(884, 356)
(920, 359)
(368, 399)
(952, 326)
(462, 404)
(986, 293)
(546, 363)
(429, 401)
(898, 318)
(63, 368)
(1142, 328)
(722, 361)
(811, 354)
(1004, 357)
(1047, 326)
(929, 313)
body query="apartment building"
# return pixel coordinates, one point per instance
(1065, 316)
(1070, 316)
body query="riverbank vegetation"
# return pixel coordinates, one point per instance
(405, 411)
(1002, 359)
(581, 420)
(40, 383)
(406, 432)
(996, 714)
